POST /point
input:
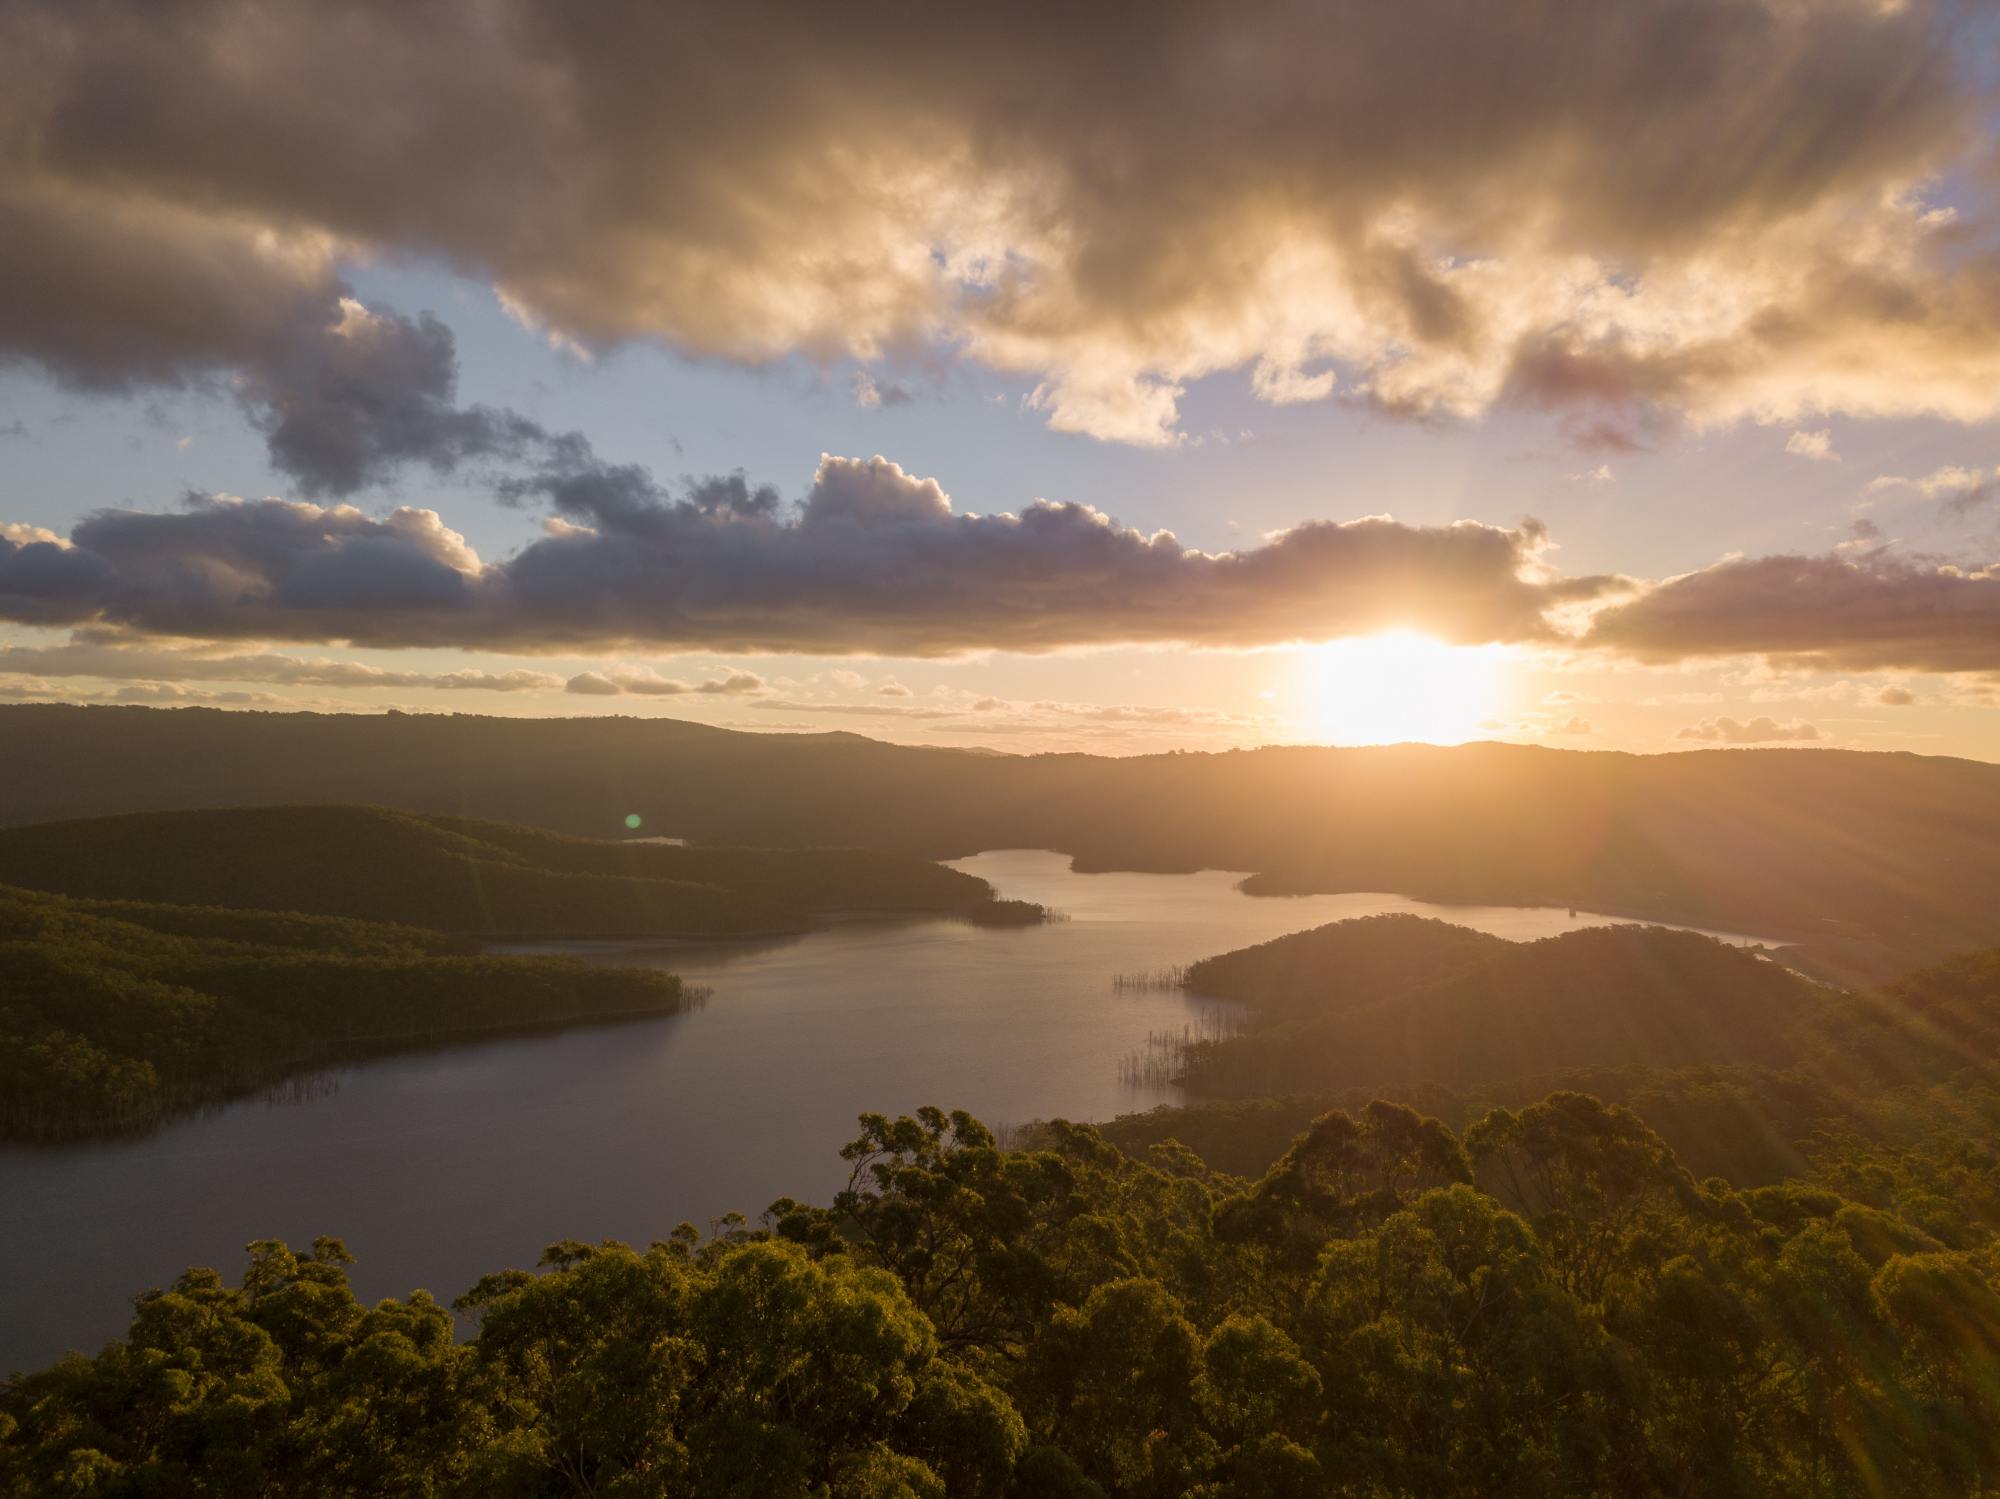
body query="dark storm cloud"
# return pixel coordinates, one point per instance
(1708, 206)
(1859, 611)
(234, 569)
(113, 293)
(872, 560)
(347, 406)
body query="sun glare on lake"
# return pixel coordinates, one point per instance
(1401, 686)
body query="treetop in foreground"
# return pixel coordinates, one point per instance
(1549, 1305)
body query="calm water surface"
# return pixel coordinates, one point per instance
(438, 1167)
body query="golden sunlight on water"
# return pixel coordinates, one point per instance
(1401, 686)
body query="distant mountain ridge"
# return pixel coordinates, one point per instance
(456, 874)
(1882, 860)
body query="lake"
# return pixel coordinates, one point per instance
(440, 1166)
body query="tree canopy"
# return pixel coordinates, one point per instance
(1549, 1305)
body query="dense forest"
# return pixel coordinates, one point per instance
(1403, 1001)
(1880, 862)
(1741, 1065)
(1546, 1304)
(115, 1015)
(489, 879)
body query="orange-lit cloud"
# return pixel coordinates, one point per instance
(872, 560)
(1627, 213)
(1862, 610)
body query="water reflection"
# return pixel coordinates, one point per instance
(440, 1165)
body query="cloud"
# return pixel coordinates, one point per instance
(1895, 697)
(166, 694)
(649, 683)
(1866, 610)
(873, 561)
(348, 405)
(1600, 475)
(1573, 725)
(1759, 730)
(857, 710)
(115, 291)
(1817, 446)
(1711, 209)
(893, 689)
(869, 393)
(1962, 490)
(992, 715)
(111, 662)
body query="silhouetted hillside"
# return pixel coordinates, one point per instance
(1907, 1067)
(1344, 965)
(114, 1016)
(1817, 844)
(458, 875)
(1602, 997)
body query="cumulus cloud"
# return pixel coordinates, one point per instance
(1711, 208)
(1817, 446)
(115, 291)
(649, 683)
(1862, 610)
(153, 663)
(159, 694)
(873, 560)
(1759, 730)
(350, 403)
(1895, 697)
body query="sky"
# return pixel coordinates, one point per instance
(1151, 377)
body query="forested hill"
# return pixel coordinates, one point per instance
(1344, 965)
(1485, 1011)
(1849, 849)
(1746, 1069)
(460, 875)
(115, 1015)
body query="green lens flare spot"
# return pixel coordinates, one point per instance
(632, 820)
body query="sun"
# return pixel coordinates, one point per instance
(1401, 686)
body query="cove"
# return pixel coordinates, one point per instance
(439, 1166)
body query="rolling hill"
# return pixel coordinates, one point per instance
(1877, 860)
(116, 1015)
(1485, 1011)
(460, 875)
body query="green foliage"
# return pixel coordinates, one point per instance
(1350, 1006)
(1552, 1306)
(458, 875)
(115, 1015)
(1344, 965)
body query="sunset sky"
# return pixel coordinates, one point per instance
(1612, 376)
